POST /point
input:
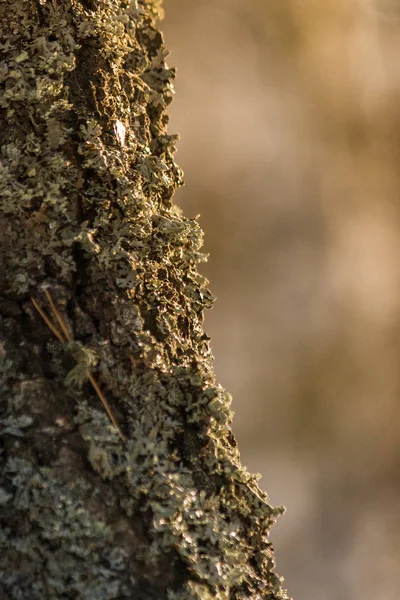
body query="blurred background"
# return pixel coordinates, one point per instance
(289, 115)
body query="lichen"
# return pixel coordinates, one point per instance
(87, 176)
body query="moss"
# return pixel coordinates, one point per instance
(86, 182)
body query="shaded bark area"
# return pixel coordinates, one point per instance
(163, 508)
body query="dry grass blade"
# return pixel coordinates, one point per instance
(67, 338)
(106, 405)
(47, 320)
(58, 317)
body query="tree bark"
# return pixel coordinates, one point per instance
(120, 476)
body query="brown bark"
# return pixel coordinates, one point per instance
(120, 477)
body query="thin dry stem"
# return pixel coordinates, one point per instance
(57, 315)
(47, 320)
(68, 338)
(106, 405)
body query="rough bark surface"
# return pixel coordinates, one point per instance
(163, 510)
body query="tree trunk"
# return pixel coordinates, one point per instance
(120, 477)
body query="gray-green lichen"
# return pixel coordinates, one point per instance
(86, 180)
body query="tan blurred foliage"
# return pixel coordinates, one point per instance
(290, 121)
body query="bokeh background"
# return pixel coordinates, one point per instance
(289, 115)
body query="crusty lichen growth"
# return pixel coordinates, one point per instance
(86, 180)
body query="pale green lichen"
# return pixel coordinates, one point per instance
(86, 359)
(86, 180)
